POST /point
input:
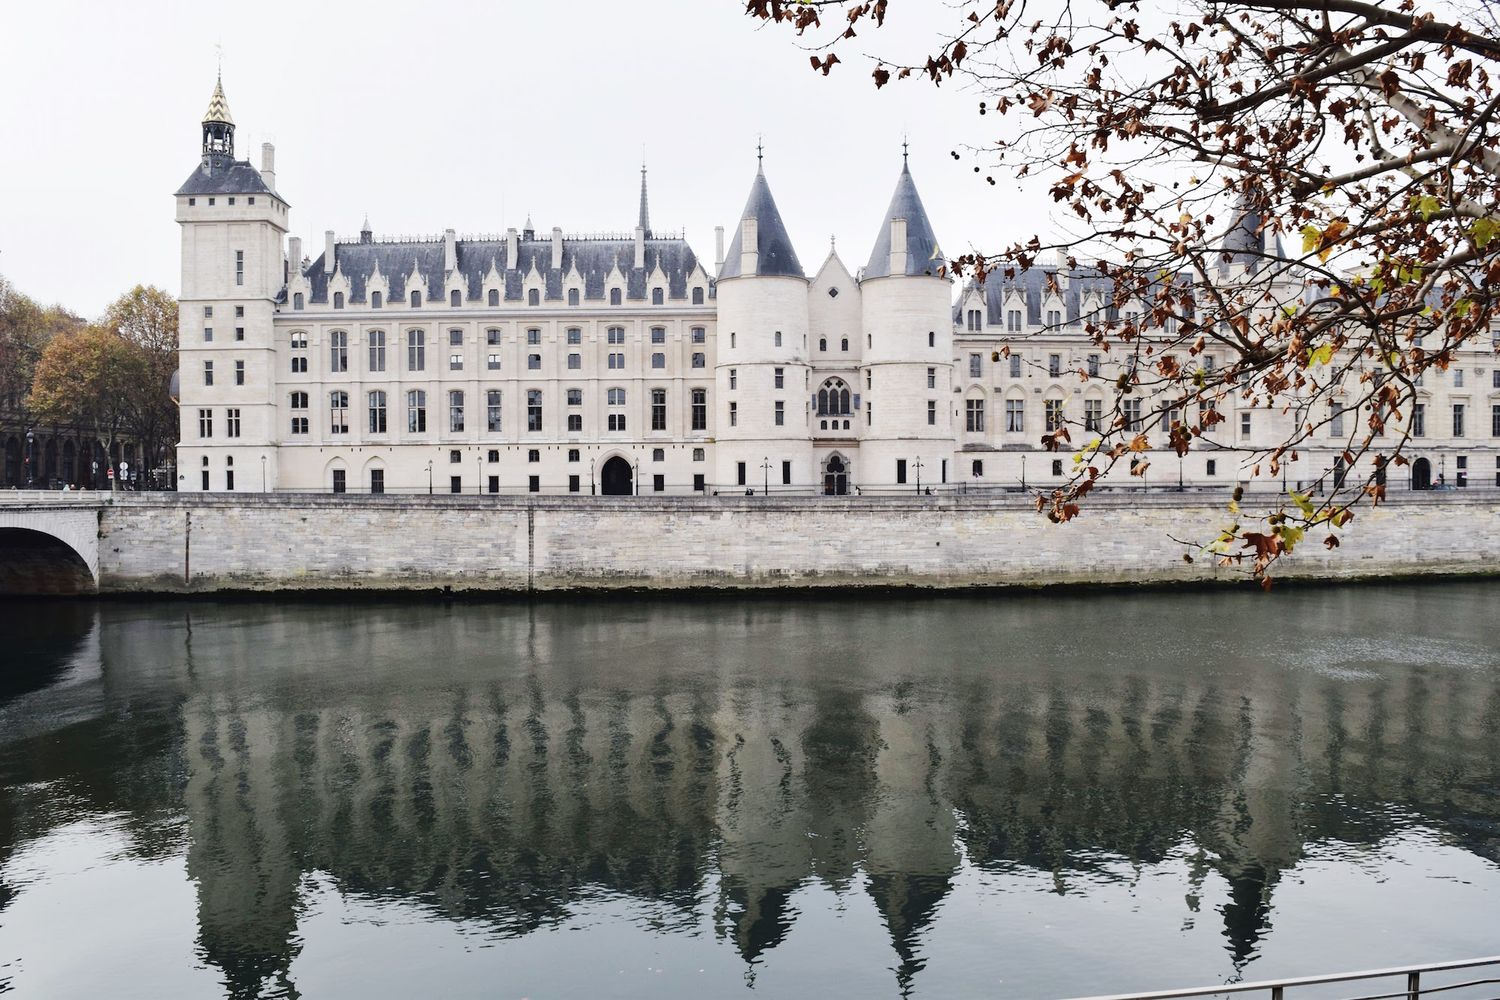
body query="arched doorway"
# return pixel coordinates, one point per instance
(1421, 474)
(616, 479)
(835, 476)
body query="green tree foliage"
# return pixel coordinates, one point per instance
(87, 379)
(25, 330)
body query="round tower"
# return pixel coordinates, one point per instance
(761, 368)
(906, 432)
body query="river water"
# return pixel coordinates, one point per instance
(1003, 796)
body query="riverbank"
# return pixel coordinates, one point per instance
(165, 543)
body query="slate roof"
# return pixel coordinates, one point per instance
(772, 243)
(922, 253)
(1032, 283)
(593, 258)
(221, 175)
(218, 106)
(1245, 243)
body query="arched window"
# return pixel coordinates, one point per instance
(697, 295)
(614, 296)
(416, 300)
(455, 298)
(338, 300)
(376, 300)
(297, 301)
(844, 344)
(822, 343)
(657, 296)
(834, 399)
(494, 296)
(534, 297)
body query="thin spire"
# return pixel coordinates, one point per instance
(904, 138)
(760, 153)
(644, 222)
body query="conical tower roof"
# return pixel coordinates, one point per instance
(772, 243)
(218, 106)
(922, 253)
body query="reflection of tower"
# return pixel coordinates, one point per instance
(1246, 912)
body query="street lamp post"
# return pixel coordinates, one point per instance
(429, 477)
(592, 491)
(262, 473)
(30, 457)
(918, 466)
(1023, 473)
(765, 468)
(1179, 473)
(637, 476)
(478, 472)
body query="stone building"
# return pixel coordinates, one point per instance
(544, 362)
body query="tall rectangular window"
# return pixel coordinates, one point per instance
(299, 412)
(208, 373)
(900, 470)
(734, 378)
(780, 413)
(1419, 420)
(780, 378)
(739, 473)
(1458, 420)
(699, 336)
(1131, 411)
(1244, 425)
(1054, 365)
(492, 410)
(1336, 419)
(976, 366)
(455, 410)
(338, 412)
(700, 410)
(533, 335)
(377, 412)
(533, 409)
(932, 378)
(1494, 420)
(377, 350)
(1093, 414)
(416, 411)
(455, 362)
(616, 361)
(1015, 415)
(734, 414)
(239, 373)
(658, 409)
(658, 360)
(239, 267)
(1053, 412)
(1015, 366)
(232, 422)
(932, 413)
(340, 481)
(1093, 364)
(377, 480)
(205, 423)
(338, 351)
(416, 350)
(658, 335)
(974, 414)
(786, 473)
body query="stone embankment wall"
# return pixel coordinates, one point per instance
(292, 542)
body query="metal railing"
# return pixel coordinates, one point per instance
(1410, 982)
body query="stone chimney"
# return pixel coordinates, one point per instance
(450, 251)
(512, 249)
(557, 248)
(640, 247)
(749, 247)
(719, 247)
(294, 253)
(328, 251)
(268, 164)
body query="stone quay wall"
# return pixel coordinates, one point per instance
(181, 544)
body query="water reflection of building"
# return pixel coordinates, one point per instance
(505, 786)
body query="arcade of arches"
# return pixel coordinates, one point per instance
(58, 458)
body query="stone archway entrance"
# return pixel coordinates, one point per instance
(1421, 474)
(616, 478)
(835, 476)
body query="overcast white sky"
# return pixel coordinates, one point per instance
(466, 115)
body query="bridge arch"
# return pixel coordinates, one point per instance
(49, 552)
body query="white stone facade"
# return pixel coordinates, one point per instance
(539, 362)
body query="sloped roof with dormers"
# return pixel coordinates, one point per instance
(772, 242)
(922, 253)
(592, 258)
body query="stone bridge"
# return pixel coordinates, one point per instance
(49, 543)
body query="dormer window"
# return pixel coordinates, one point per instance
(697, 295)
(534, 297)
(614, 296)
(338, 300)
(657, 296)
(416, 300)
(455, 298)
(297, 300)
(231, 199)
(375, 300)
(494, 297)
(572, 296)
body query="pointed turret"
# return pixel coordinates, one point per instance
(218, 126)
(366, 234)
(644, 222)
(905, 243)
(761, 245)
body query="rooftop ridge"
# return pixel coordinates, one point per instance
(399, 238)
